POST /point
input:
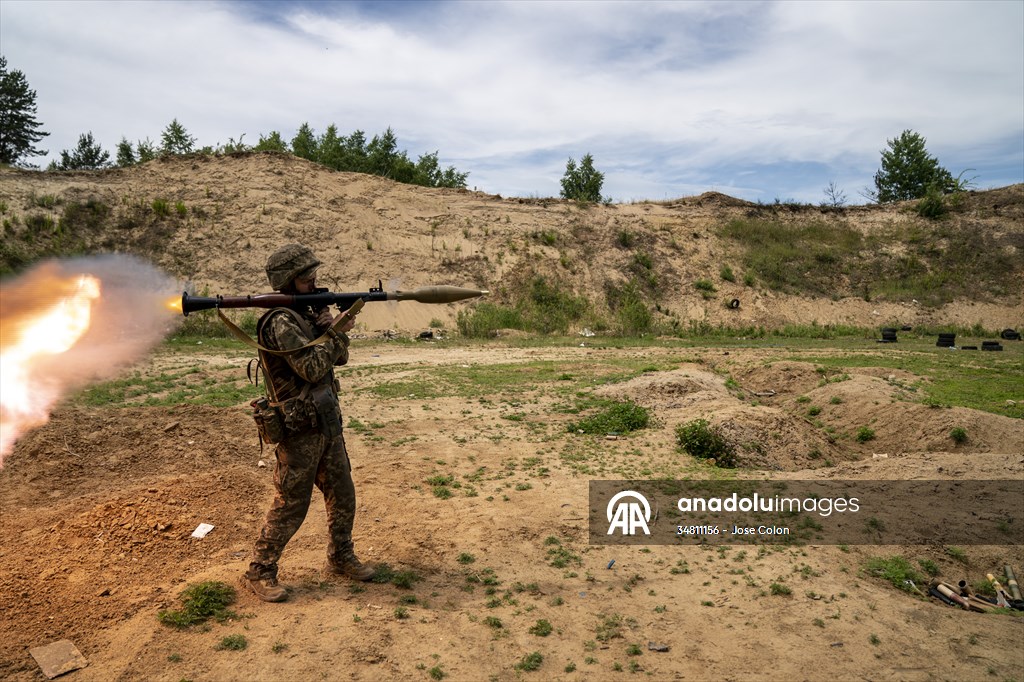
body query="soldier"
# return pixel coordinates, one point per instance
(311, 451)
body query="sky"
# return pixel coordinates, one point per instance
(763, 101)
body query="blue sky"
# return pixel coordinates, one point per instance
(759, 100)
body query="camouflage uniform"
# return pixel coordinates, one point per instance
(313, 452)
(305, 422)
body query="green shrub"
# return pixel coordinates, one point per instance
(161, 207)
(704, 286)
(45, 201)
(932, 205)
(484, 319)
(704, 441)
(726, 273)
(530, 662)
(958, 434)
(629, 305)
(895, 569)
(621, 417)
(201, 601)
(232, 643)
(541, 628)
(550, 306)
(864, 434)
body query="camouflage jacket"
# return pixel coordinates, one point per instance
(281, 330)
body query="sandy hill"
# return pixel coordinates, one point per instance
(213, 221)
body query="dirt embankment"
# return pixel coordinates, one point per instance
(214, 220)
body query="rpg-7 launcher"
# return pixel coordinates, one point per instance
(321, 298)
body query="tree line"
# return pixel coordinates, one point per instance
(907, 170)
(379, 155)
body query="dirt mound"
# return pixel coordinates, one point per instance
(675, 388)
(878, 415)
(792, 415)
(764, 437)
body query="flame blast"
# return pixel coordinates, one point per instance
(122, 321)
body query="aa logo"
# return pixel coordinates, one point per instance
(628, 515)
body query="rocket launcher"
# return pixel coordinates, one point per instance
(322, 298)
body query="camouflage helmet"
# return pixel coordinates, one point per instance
(289, 262)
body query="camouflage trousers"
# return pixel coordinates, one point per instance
(304, 460)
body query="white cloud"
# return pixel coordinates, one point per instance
(701, 90)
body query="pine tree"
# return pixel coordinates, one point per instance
(125, 153)
(88, 155)
(582, 183)
(271, 143)
(146, 150)
(176, 140)
(304, 143)
(19, 129)
(908, 171)
(328, 149)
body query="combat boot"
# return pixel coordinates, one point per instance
(349, 566)
(266, 588)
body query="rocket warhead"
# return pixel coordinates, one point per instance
(436, 294)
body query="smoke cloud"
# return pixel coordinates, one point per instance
(131, 315)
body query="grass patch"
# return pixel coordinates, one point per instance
(232, 643)
(865, 434)
(530, 662)
(200, 602)
(895, 569)
(609, 627)
(620, 417)
(799, 257)
(404, 579)
(541, 628)
(980, 381)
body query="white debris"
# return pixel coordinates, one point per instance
(202, 530)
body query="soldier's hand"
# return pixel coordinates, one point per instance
(324, 318)
(347, 326)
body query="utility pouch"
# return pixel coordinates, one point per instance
(298, 413)
(268, 420)
(328, 414)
